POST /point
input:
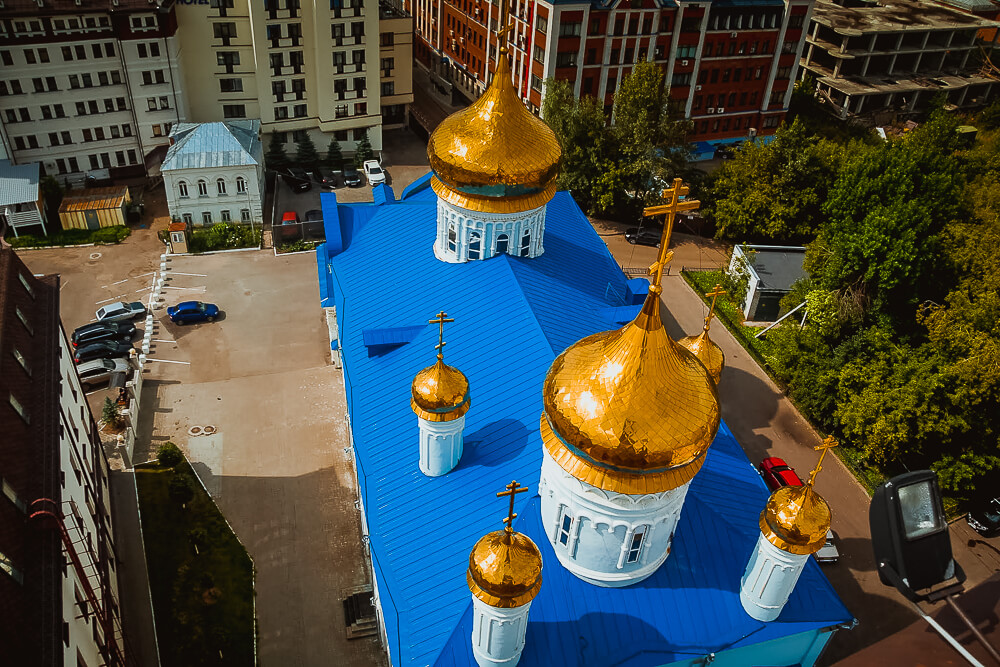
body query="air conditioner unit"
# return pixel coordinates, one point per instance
(710, 110)
(720, 110)
(752, 132)
(732, 35)
(697, 87)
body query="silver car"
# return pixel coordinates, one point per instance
(828, 553)
(120, 311)
(99, 371)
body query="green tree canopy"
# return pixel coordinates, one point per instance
(276, 157)
(306, 154)
(364, 150)
(334, 156)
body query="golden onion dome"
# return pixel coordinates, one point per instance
(630, 410)
(505, 569)
(495, 155)
(706, 351)
(440, 393)
(796, 519)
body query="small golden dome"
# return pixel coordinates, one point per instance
(796, 519)
(440, 393)
(706, 351)
(630, 411)
(505, 569)
(495, 155)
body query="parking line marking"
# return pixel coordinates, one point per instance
(120, 296)
(182, 288)
(143, 289)
(120, 282)
(199, 275)
(168, 361)
(146, 274)
(158, 340)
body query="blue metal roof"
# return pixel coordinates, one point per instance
(513, 316)
(231, 143)
(18, 183)
(390, 335)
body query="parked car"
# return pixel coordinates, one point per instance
(352, 177)
(290, 228)
(313, 224)
(777, 473)
(297, 179)
(106, 349)
(828, 553)
(642, 236)
(120, 311)
(373, 172)
(99, 371)
(91, 333)
(325, 178)
(985, 518)
(193, 311)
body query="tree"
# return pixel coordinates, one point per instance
(363, 151)
(111, 414)
(775, 192)
(179, 489)
(306, 154)
(169, 455)
(52, 194)
(581, 128)
(334, 156)
(276, 157)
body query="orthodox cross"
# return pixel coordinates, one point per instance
(512, 489)
(441, 319)
(716, 292)
(827, 445)
(671, 208)
(504, 27)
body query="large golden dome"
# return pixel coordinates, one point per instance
(707, 352)
(796, 519)
(630, 411)
(505, 569)
(495, 156)
(440, 393)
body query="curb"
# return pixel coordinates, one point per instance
(51, 247)
(210, 252)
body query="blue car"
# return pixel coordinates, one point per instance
(193, 311)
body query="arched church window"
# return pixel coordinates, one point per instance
(475, 245)
(502, 242)
(220, 185)
(525, 242)
(182, 188)
(241, 184)
(635, 545)
(452, 237)
(565, 526)
(202, 189)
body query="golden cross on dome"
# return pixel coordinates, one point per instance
(716, 292)
(671, 208)
(512, 489)
(504, 28)
(441, 320)
(829, 443)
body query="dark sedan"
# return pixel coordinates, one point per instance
(325, 178)
(98, 331)
(193, 311)
(297, 179)
(107, 349)
(985, 518)
(650, 237)
(352, 177)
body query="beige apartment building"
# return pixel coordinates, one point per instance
(329, 68)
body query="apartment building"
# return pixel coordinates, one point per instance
(87, 87)
(58, 577)
(329, 69)
(730, 65)
(878, 59)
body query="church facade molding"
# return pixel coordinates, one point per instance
(464, 235)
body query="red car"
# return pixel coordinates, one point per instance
(777, 473)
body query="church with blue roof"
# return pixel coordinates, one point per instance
(503, 353)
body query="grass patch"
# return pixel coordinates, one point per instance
(103, 236)
(224, 236)
(201, 577)
(297, 246)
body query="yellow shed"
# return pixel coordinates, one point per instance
(93, 208)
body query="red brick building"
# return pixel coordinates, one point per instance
(730, 64)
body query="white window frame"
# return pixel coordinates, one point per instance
(202, 188)
(564, 531)
(206, 217)
(525, 248)
(241, 185)
(226, 216)
(182, 189)
(475, 238)
(505, 238)
(220, 186)
(452, 237)
(634, 550)
(188, 218)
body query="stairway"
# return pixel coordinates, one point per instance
(359, 615)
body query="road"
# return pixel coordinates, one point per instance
(766, 423)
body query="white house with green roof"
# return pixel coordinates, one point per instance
(214, 172)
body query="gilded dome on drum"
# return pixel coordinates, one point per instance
(505, 569)
(707, 352)
(630, 410)
(440, 393)
(796, 519)
(494, 149)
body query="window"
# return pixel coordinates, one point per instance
(226, 217)
(151, 103)
(795, 21)
(7, 565)
(340, 111)
(502, 242)
(566, 59)
(234, 111)
(452, 237)
(245, 215)
(220, 186)
(542, 25)
(186, 217)
(157, 131)
(182, 189)
(231, 85)
(228, 59)
(386, 39)
(569, 29)
(20, 409)
(564, 529)
(206, 217)
(525, 242)
(241, 184)
(300, 111)
(475, 245)
(388, 64)
(536, 83)
(6, 59)
(388, 88)
(202, 188)
(681, 79)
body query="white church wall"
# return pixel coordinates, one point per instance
(440, 445)
(457, 229)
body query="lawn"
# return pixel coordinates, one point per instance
(201, 577)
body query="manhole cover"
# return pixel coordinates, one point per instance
(208, 430)
(195, 430)
(95, 255)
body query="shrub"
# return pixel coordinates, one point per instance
(111, 414)
(104, 235)
(180, 490)
(169, 455)
(223, 236)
